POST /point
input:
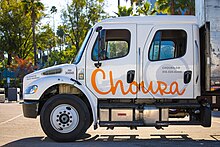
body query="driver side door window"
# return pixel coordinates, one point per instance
(115, 46)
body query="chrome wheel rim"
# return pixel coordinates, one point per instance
(64, 118)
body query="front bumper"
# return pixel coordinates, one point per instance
(30, 108)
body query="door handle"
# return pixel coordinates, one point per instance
(130, 76)
(187, 76)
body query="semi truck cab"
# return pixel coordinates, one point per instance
(130, 72)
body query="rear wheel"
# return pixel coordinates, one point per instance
(64, 117)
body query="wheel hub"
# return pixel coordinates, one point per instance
(62, 118)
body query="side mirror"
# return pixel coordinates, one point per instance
(102, 39)
(101, 43)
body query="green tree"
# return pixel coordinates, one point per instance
(33, 9)
(176, 7)
(168, 6)
(15, 30)
(188, 6)
(79, 17)
(45, 41)
(64, 56)
(61, 36)
(44, 38)
(124, 11)
(145, 9)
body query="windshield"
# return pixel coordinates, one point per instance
(81, 50)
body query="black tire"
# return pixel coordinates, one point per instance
(77, 104)
(206, 116)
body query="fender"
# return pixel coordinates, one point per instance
(46, 82)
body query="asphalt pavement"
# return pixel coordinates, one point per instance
(16, 130)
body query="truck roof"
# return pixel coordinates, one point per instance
(155, 19)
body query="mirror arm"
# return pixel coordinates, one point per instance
(98, 29)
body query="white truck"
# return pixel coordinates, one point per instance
(150, 71)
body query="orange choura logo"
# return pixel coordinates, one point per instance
(162, 87)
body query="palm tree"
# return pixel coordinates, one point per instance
(123, 11)
(53, 10)
(118, 3)
(33, 8)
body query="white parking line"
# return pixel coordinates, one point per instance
(4, 122)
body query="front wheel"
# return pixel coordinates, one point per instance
(64, 117)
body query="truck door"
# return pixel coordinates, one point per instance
(167, 70)
(116, 76)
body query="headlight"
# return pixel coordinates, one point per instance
(31, 89)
